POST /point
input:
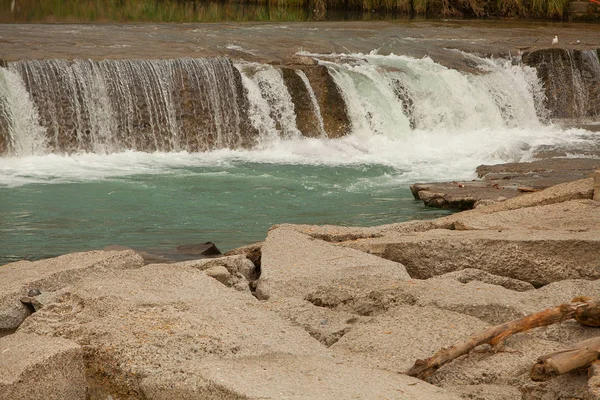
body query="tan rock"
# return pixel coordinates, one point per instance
(597, 185)
(294, 264)
(50, 275)
(538, 257)
(281, 376)
(159, 322)
(324, 324)
(34, 366)
(396, 339)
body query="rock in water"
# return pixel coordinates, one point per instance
(204, 249)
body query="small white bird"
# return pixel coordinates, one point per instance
(555, 40)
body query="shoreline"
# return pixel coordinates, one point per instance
(324, 304)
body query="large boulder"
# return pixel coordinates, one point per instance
(51, 275)
(41, 367)
(294, 264)
(169, 331)
(538, 257)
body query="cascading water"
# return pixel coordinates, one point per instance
(110, 106)
(165, 152)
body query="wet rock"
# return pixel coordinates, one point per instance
(34, 366)
(295, 59)
(331, 102)
(307, 115)
(294, 264)
(504, 181)
(570, 80)
(50, 275)
(203, 249)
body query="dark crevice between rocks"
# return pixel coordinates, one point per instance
(6, 332)
(343, 237)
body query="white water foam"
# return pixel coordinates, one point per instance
(422, 156)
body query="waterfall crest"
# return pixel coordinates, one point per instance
(194, 105)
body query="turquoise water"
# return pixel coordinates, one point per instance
(231, 205)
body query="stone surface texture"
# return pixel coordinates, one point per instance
(41, 367)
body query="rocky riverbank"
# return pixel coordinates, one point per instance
(324, 312)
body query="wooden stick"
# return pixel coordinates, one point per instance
(594, 381)
(495, 335)
(579, 355)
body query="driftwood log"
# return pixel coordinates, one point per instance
(585, 309)
(579, 355)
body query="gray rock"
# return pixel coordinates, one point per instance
(569, 216)
(34, 366)
(501, 366)
(50, 275)
(294, 264)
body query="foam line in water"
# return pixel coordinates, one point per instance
(423, 156)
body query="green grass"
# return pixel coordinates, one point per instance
(268, 10)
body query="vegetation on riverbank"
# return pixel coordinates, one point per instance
(272, 10)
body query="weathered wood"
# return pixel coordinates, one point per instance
(495, 335)
(579, 355)
(594, 381)
(591, 315)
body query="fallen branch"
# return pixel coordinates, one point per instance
(579, 355)
(495, 335)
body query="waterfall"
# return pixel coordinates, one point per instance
(393, 95)
(148, 105)
(194, 105)
(572, 81)
(272, 110)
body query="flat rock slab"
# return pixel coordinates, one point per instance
(282, 376)
(33, 367)
(570, 216)
(537, 257)
(396, 339)
(504, 181)
(50, 275)
(158, 322)
(294, 264)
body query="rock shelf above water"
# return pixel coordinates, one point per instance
(504, 181)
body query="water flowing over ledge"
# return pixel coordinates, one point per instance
(60, 106)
